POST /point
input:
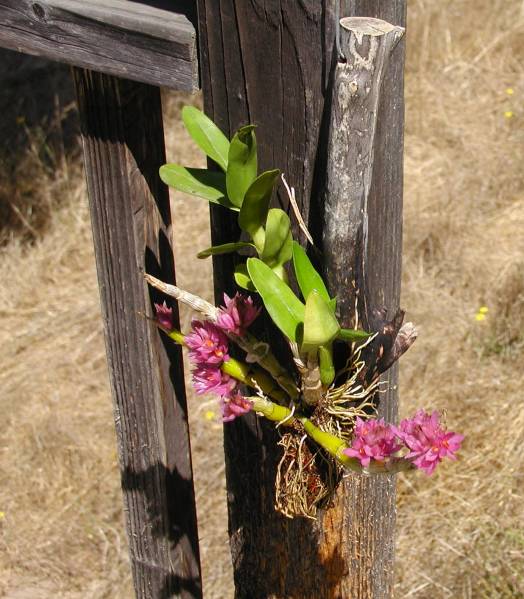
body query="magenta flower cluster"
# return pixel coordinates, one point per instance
(207, 378)
(234, 405)
(207, 344)
(164, 316)
(237, 314)
(427, 441)
(209, 349)
(423, 436)
(373, 439)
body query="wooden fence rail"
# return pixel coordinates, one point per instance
(116, 37)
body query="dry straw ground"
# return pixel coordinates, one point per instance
(460, 533)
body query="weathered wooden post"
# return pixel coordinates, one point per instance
(272, 64)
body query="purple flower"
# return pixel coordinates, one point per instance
(207, 344)
(233, 406)
(237, 314)
(208, 378)
(164, 316)
(427, 441)
(373, 439)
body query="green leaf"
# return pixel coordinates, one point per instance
(242, 278)
(326, 366)
(284, 307)
(308, 278)
(241, 164)
(226, 248)
(207, 135)
(351, 335)
(320, 324)
(199, 182)
(278, 245)
(255, 206)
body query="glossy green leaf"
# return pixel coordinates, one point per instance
(242, 278)
(253, 213)
(226, 248)
(284, 307)
(278, 245)
(326, 366)
(308, 278)
(351, 335)
(320, 324)
(241, 164)
(200, 182)
(207, 135)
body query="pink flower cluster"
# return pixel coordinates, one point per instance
(373, 439)
(209, 349)
(427, 441)
(423, 436)
(207, 378)
(207, 344)
(234, 406)
(237, 314)
(164, 316)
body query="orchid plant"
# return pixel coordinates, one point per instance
(326, 416)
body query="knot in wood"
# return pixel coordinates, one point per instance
(39, 11)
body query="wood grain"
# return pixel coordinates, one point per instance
(122, 135)
(361, 208)
(117, 37)
(356, 93)
(271, 63)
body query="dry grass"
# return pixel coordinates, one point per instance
(460, 532)
(41, 118)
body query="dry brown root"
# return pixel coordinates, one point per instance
(305, 479)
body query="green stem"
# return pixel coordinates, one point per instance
(259, 352)
(327, 369)
(335, 447)
(177, 336)
(271, 411)
(312, 391)
(254, 377)
(330, 443)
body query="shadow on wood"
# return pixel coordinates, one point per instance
(122, 132)
(254, 523)
(179, 494)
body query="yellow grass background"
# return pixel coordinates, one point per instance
(460, 532)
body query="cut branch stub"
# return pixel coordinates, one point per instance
(366, 44)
